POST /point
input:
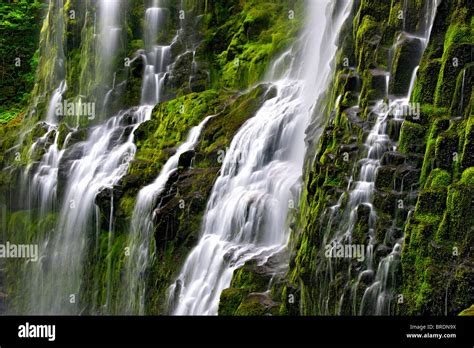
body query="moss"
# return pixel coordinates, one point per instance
(431, 201)
(454, 59)
(411, 138)
(438, 179)
(460, 103)
(367, 38)
(245, 39)
(426, 80)
(251, 277)
(168, 127)
(406, 58)
(438, 126)
(468, 177)
(467, 156)
(251, 307)
(384, 179)
(468, 311)
(230, 300)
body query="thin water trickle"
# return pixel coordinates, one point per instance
(142, 228)
(378, 295)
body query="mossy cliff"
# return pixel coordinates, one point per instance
(208, 38)
(423, 189)
(19, 35)
(220, 51)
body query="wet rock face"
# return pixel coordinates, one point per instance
(419, 173)
(407, 57)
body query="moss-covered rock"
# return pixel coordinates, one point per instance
(230, 300)
(406, 58)
(412, 138)
(468, 311)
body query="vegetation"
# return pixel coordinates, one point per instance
(422, 191)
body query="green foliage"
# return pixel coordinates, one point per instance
(411, 137)
(230, 300)
(245, 37)
(468, 177)
(438, 179)
(19, 33)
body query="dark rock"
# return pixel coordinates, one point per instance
(349, 148)
(384, 180)
(406, 59)
(393, 158)
(186, 158)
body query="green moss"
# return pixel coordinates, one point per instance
(411, 138)
(407, 56)
(431, 201)
(467, 156)
(438, 179)
(250, 277)
(244, 42)
(385, 178)
(468, 311)
(425, 84)
(367, 38)
(230, 300)
(251, 307)
(468, 177)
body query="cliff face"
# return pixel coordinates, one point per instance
(423, 187)
(417, 224)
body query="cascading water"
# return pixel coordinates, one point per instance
(92, 165)
(378, 295)
(141, 249)
(246, 216)
(157, 57)
(103, 161)
(141, 231)
(110, 30)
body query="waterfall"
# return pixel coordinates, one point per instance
(141, 238)
(55, 99)
(98, 163)
(260, 179)
(140, 242)
(103, 159)
(377, 297)
(110, 29)
(157, 57)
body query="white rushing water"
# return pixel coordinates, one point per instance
(157, 57)
(378, 296)
(246, 216)
(110, 30)
(103, 161)
(140, 242)
(95, 164)
(142, 227)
